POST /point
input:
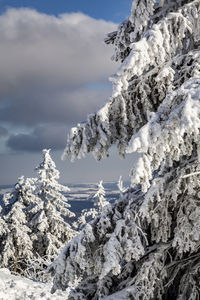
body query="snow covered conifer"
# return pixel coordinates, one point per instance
(15, 241)
(121, 187)
(33, 224)
(146, 246)
(49, 224)
(100, 201)
(99, 205)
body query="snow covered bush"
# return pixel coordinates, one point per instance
(147, 244)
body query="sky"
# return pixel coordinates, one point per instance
(54, 70)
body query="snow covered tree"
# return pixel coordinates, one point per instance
(15, 242)
(100, 201)
(49, 225)
(121, 187)
(147, 245)
(33, 222)
(100, 205)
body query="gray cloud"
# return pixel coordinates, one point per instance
(3, 132)
(51, 70)
(43, 51)
(67, 106)
(41, 137)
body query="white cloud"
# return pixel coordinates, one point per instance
(48, 65)
(48, 52)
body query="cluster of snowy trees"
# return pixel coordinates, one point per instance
(146, 245)
(35, 221)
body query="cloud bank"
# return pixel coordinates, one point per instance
(3, 132)
(42, 137)
(54, 70)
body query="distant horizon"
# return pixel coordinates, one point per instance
(72, 183)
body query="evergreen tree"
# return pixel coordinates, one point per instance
(100, 201)
(121, 187)
(15, 241)
(147, 244)
(33, 222)
(49, 225)
(100, 205)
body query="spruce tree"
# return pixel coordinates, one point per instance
(100, 201)
(100, 206)
(49, 225)
(15, 242)
(147, 245)
(34, 222)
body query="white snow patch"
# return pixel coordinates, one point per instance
(121, 295)
(19, 288)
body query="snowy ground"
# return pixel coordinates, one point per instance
(18, 288)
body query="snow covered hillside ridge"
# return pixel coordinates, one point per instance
(147, 245)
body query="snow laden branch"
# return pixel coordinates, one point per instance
(130, 29)
(169, 134)
(136, 90)
(141, 245)
(143, 15)
(114, 236)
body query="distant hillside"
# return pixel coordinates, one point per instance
(81, 195)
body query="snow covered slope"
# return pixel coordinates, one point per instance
(19, 288)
